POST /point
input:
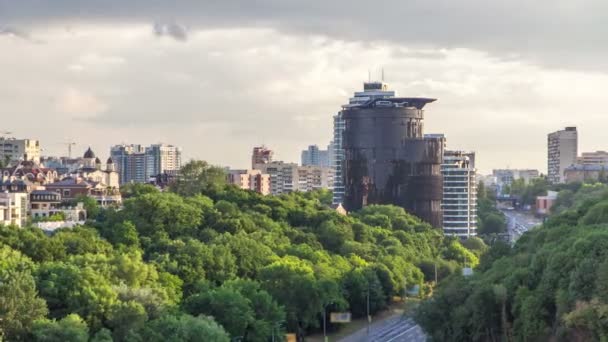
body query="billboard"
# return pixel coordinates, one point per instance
(340, 317)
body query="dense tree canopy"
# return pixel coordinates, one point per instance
(206, 261)
(552, 285)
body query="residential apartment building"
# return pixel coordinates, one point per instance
(288, 177)
(459, 204)
(315, 157)
(586, 173)
(12, 149)
(313, 177)
(261, 155)
(250, 180)
(562, 151)
(593, 158)
(13, 208)
(136, 163)
(161, 158)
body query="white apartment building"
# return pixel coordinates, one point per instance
(16, 149)
(13, 208)
(459, 203)
(161, 158)
(562, 151)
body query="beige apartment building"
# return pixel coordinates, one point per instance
(250, 180)
(16, 149)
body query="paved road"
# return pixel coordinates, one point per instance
(394, 329)
(519, 222)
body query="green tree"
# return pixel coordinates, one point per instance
(198, 177)
(184, 328)
(19, 304)
(229, 307)
(70, 328)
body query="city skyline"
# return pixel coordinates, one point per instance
(200, 78)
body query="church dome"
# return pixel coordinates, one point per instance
(89, 154)
(97, 161)
(110, 161)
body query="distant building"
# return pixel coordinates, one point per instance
(13, 150)
(337, 159)
(45, 203)
(13, 208)
(288, 177)
(593, 158)
(507, 176)
(544, 203)
(371, 90)
(586, 173)
(137, 164)
(162, 158)
(315, 157)
(312, 177)
(459, 203)
(562, 151)
(387, 159)
(130, 162)
(250, 180)
(261, 155)
(92, 180)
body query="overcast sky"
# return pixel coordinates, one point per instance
(218, 77)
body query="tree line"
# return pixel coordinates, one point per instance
(551, 286)
(206, 261)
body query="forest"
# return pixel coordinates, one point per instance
(205, 261)
(551, 286)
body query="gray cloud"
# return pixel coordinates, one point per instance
(558, 33)
(13, 32)
(173, 30)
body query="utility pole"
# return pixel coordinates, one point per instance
(369, 318)
(435, 272)
(324, 323)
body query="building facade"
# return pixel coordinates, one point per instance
(387, 159)
(586, 173)
(315, 157)
(459, 203)
(261, 155)
(137, 164)
(371, 90)
(562, 151)
(288, 177)
(13, 150)
(161, 158)
(337, 159)
(13, 208)
(250, 179)
(593, 158)
(130, 163)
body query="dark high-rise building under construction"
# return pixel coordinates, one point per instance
(387, 159)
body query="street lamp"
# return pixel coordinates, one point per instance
(325, 320)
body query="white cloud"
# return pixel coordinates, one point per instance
(79, 104)
(225, 90)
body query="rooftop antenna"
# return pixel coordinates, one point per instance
(382, 74)
(369, 76)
